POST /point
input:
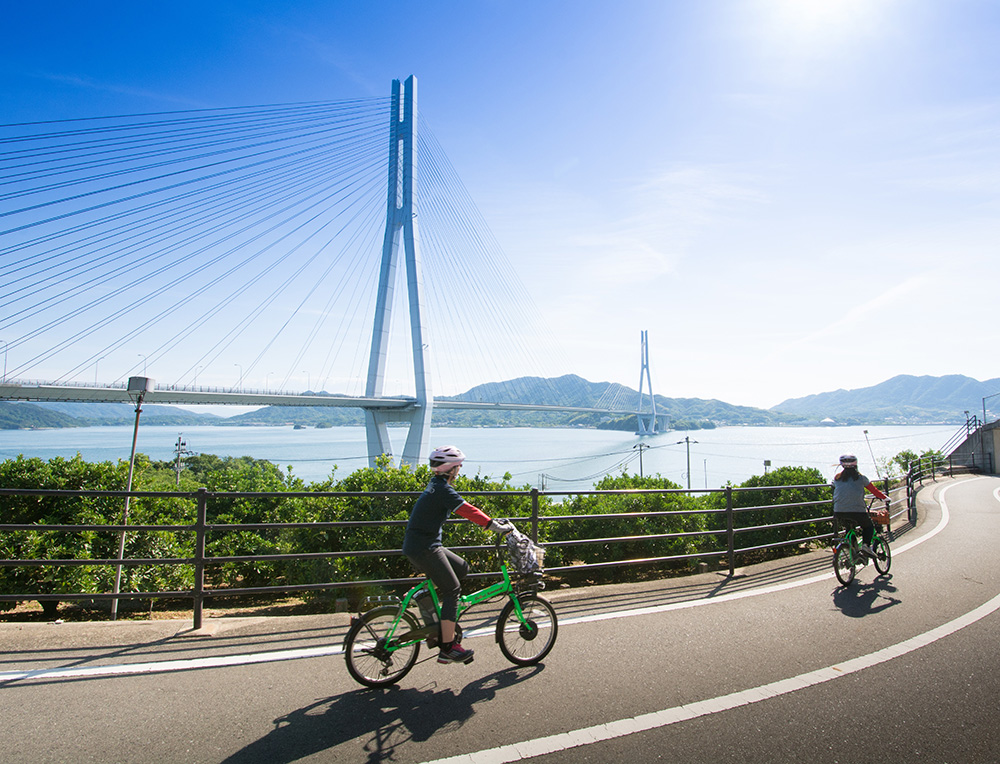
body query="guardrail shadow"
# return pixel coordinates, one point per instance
(380, 719)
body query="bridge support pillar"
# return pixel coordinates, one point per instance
(400, 231)
(645, 426)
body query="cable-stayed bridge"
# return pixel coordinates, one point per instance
(274, 248)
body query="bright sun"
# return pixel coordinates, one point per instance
(825, 19)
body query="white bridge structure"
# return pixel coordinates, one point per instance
(400, 248)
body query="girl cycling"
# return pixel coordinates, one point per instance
(423, 548)
(849, 506)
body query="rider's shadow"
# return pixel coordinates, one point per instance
(381, 719)
(859, 600)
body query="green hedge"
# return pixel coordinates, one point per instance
(246, 475)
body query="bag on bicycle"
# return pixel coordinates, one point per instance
(523, 556)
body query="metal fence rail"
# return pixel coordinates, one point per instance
(726, 535)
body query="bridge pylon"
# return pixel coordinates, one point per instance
(646, 423)
(400, 232)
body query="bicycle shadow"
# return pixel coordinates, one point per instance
(859, 599)
(382, 718)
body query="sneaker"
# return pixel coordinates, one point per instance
(868, 551)
(455, 654)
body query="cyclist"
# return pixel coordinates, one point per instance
(423, 548)
(849, 507)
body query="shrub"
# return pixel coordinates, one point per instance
(639, 529)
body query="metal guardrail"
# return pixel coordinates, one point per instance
(728, 535)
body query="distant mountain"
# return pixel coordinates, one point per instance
(18, 416)
(568, 390)
(21, 415)
(571, 390)
(903, 399)
(306, 416)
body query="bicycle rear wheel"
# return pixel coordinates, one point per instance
(368, 660)
(883, 555)
(843, 563)
(527, 643)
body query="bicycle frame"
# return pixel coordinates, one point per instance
(465, 602)
(853, 542)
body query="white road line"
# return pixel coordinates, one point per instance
(657, 719)
(78, 672)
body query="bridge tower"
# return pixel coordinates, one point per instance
(646, 426)
(400, 231)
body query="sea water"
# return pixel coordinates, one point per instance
(556, 459)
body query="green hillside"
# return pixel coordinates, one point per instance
(904, 399)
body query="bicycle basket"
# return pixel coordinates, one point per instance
(880, 516)
(523, 556)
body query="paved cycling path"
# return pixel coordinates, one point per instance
(636, 671)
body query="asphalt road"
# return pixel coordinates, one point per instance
(778, 664)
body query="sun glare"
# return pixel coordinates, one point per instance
(816, 21)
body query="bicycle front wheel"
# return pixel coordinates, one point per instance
(883, 555)
(843, 563)
(526, 643)
(371, 659)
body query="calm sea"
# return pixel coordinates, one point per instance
(556, 459)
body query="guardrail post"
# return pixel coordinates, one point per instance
(534, 515)
(200, 531)
(730, 532)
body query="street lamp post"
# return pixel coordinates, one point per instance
(137, 389)
(239, 382)
(4, 361)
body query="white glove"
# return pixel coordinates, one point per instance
(500, 526)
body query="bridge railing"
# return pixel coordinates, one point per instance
(736, 522)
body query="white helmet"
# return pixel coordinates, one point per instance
(848, 460)
(446, 457)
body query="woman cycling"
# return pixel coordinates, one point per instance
(422, 543)
(849, 506)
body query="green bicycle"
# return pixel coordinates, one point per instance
(848, 555)
(383, 644)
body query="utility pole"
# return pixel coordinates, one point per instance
(641, 447)
(687, 442)
(179, 450)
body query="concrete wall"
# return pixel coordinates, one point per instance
(980, 448)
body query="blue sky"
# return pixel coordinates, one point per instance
(790, 197)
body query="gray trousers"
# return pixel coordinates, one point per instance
(447, 570)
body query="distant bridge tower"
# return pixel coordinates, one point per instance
(646, 422)
(400, 229)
